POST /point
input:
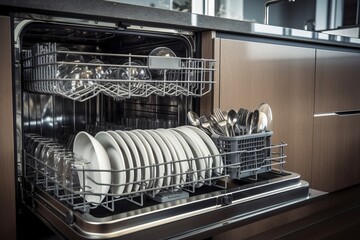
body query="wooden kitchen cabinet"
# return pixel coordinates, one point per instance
(336, 152)
(336, 138)
(337, 81)
(283, 76)
(7, 158)
(323, 150)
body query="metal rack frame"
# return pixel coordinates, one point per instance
(141, 75)
(45, 176)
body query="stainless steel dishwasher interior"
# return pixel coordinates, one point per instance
(42, 111)
(53, 116)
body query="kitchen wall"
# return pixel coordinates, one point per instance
(300, 14)
(334, 14)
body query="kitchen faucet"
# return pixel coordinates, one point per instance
(267, 5)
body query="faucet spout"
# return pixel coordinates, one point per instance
(267, 6)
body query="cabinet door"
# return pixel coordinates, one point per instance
(337, 81)
(336, 152)
(7, 161)
(283, 76)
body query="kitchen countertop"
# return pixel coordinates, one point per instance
(125, 14)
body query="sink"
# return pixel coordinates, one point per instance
(353, 32)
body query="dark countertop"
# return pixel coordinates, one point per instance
(125, 14)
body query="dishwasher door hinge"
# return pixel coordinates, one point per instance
(70, 217)
(224, 200)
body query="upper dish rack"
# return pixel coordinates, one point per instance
(52, 69)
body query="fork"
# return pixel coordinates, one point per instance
(221, 120)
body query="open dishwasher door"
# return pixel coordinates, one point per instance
(102, 153)
(199, 215)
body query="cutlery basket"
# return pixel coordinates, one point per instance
(246, 155)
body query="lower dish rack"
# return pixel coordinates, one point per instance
(69, 178)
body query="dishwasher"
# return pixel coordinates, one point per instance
(98, 105)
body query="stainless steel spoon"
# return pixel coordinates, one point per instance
(232, 119)
(215, 125)
(194, 119)
(263, 122)
(265, 108)
(205, 123)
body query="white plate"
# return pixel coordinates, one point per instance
(95, 157)
(127, 159)
(204, 149)
(189, 154)
(144, 159)
(166, 155)
(159, 160)
(193, 141)
(218, 164)
(151, 159)
(116, 161)
(184, 165)
(134, 156)
(175, 166)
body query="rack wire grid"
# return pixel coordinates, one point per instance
(70, 184)
(48, 68)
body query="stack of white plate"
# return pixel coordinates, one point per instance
(145, 160)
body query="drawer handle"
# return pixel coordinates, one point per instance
(348, 113)
(339, 113)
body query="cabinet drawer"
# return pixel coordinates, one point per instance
(336, 152)
(337, 81)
